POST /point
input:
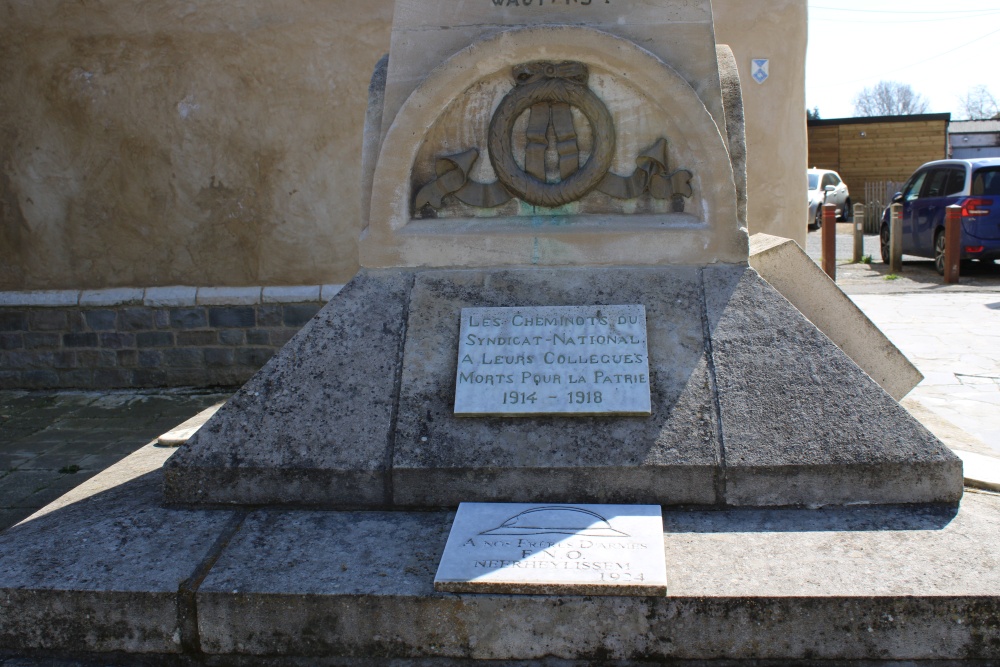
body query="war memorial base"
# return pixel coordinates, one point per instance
(588, 158)
(111, 575)
(112, 572)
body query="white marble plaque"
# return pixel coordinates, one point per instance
(568, 360)
(539, 549)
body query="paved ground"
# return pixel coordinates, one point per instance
(951, 333)
(918, 274)
(52, 441)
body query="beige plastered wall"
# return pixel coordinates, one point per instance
(777, 141)
(182, 143)
(219, 143)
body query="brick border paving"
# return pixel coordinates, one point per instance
(143, 346)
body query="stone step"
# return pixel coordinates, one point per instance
(751, 406)
(109, 571)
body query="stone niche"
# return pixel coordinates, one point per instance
(660, 121)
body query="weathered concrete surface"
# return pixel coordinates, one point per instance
(102, 573)
(315, 424)
(669, 456)
(844, 584)
(328, 423)
(102, 568)
(783, 264)
(801, 423)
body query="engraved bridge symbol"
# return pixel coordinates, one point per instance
(548, 92)
(556, 520)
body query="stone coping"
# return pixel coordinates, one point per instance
(171, 296)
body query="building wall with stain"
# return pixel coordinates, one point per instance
(219, 143)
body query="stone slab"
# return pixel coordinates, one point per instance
(170, 297)
(668, 457)
(313, 426)
(47, 298)
(93, 574)
(981, 472)
(228, 296)
(527, 549)
(839, 584)
(120, 296)
(183, 432)
(292, 294)
(569, 360)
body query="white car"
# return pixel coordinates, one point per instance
(826, 187)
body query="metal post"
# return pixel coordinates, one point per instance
(859, 232)
(952, 244)
(830, 240)
(896, 238)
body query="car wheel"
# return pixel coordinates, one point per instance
(818, 223)
(845, 212)
(939, 251)
(883, 242)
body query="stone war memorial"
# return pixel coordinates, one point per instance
(555, 416)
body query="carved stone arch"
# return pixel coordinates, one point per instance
(393, 238)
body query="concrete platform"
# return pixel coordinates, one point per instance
(751, 406)
(108, 570)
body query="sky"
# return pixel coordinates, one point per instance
(940, 49)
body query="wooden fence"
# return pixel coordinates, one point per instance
(878, 195)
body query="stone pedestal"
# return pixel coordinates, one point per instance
(587, 155)
(751, 405)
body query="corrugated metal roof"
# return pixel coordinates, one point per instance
(973, 126)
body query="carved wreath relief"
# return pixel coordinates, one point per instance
(549, 91)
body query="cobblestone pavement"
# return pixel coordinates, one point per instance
(951, 333)
(51, 442)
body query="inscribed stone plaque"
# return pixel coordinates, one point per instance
(575, 360)
(554, 550)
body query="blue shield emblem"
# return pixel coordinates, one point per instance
(759, 70)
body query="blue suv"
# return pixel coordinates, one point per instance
(972, 184)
